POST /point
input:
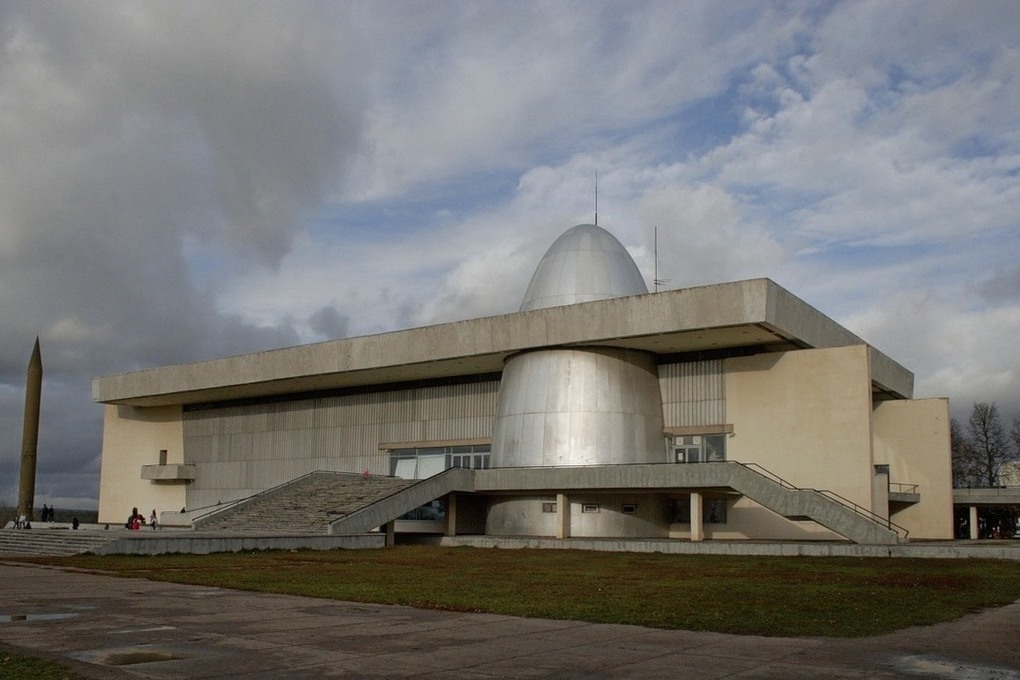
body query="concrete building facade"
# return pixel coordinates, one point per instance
(768, 420)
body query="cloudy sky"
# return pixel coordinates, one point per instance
(183, 181)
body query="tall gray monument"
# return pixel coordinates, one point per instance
(30, 433)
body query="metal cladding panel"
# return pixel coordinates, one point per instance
(693, 393)
(257, 446)
(585, 263)
(584, 406)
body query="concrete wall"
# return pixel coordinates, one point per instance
(133, 437)
(806, 417)
(912, 437)
(241, 450)
(746, 519)
(649, 519)
(523, 516)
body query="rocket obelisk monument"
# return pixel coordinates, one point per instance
(30, 434)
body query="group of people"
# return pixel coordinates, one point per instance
(136, 520)
(47, 514)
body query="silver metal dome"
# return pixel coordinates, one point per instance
(576, 405)
(585, 263)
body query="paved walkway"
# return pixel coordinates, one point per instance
(124, 628)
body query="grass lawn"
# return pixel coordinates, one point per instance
(15, 665)
(777, 596)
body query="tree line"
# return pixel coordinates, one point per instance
(984, 453)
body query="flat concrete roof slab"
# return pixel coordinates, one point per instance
(756, 312)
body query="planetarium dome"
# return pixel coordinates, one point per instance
(579, 405)
(575, 405)
(585, 263)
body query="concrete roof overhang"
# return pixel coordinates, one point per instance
(1007, 495)
(728, 316)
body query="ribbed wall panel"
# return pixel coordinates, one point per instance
(693, 393)
(242, 449)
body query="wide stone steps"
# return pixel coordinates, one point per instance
(51, 542)
(305, 506)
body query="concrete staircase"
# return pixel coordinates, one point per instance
(415, 494)
(306, 505)
(842, 517)
(52, 541)
(854, 523)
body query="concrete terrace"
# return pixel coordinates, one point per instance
(325, 511)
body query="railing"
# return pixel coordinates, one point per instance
(217, 508)
(831, 495)
(898, 487)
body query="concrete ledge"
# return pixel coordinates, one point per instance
(173, 472)
(997, 550)
(740, 313)
(158, 543)
(1007, 495)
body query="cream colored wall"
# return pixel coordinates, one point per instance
(133, 437)
(746, 519)
(805, 416)
(912, 437)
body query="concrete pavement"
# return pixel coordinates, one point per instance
(112, 627)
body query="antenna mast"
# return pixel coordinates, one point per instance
(596, 198)
(656, 281)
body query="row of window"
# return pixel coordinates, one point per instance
(422, 462)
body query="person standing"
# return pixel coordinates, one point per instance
(153, 519)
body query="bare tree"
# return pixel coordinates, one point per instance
(990, 447)
(965, 469)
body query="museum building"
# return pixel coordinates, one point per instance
(733, 411)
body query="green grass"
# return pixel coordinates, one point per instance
(777, 596)
(17, 666)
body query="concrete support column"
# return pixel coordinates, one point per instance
(391, 533)
(451, 515)
(973, 523)
(562, 516)
(697, 528)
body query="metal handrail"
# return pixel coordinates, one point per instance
(414, 482)
(220, 507)
(902, 488)
(832, 495)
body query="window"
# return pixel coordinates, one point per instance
(424, 462)
(713, 510)
(434, 510)
(548, 507)
(701, 448)
(629, 508)
(681, 510)
(589, 507)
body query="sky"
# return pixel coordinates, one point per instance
(190, 180)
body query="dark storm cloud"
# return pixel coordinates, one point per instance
(137, 137)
